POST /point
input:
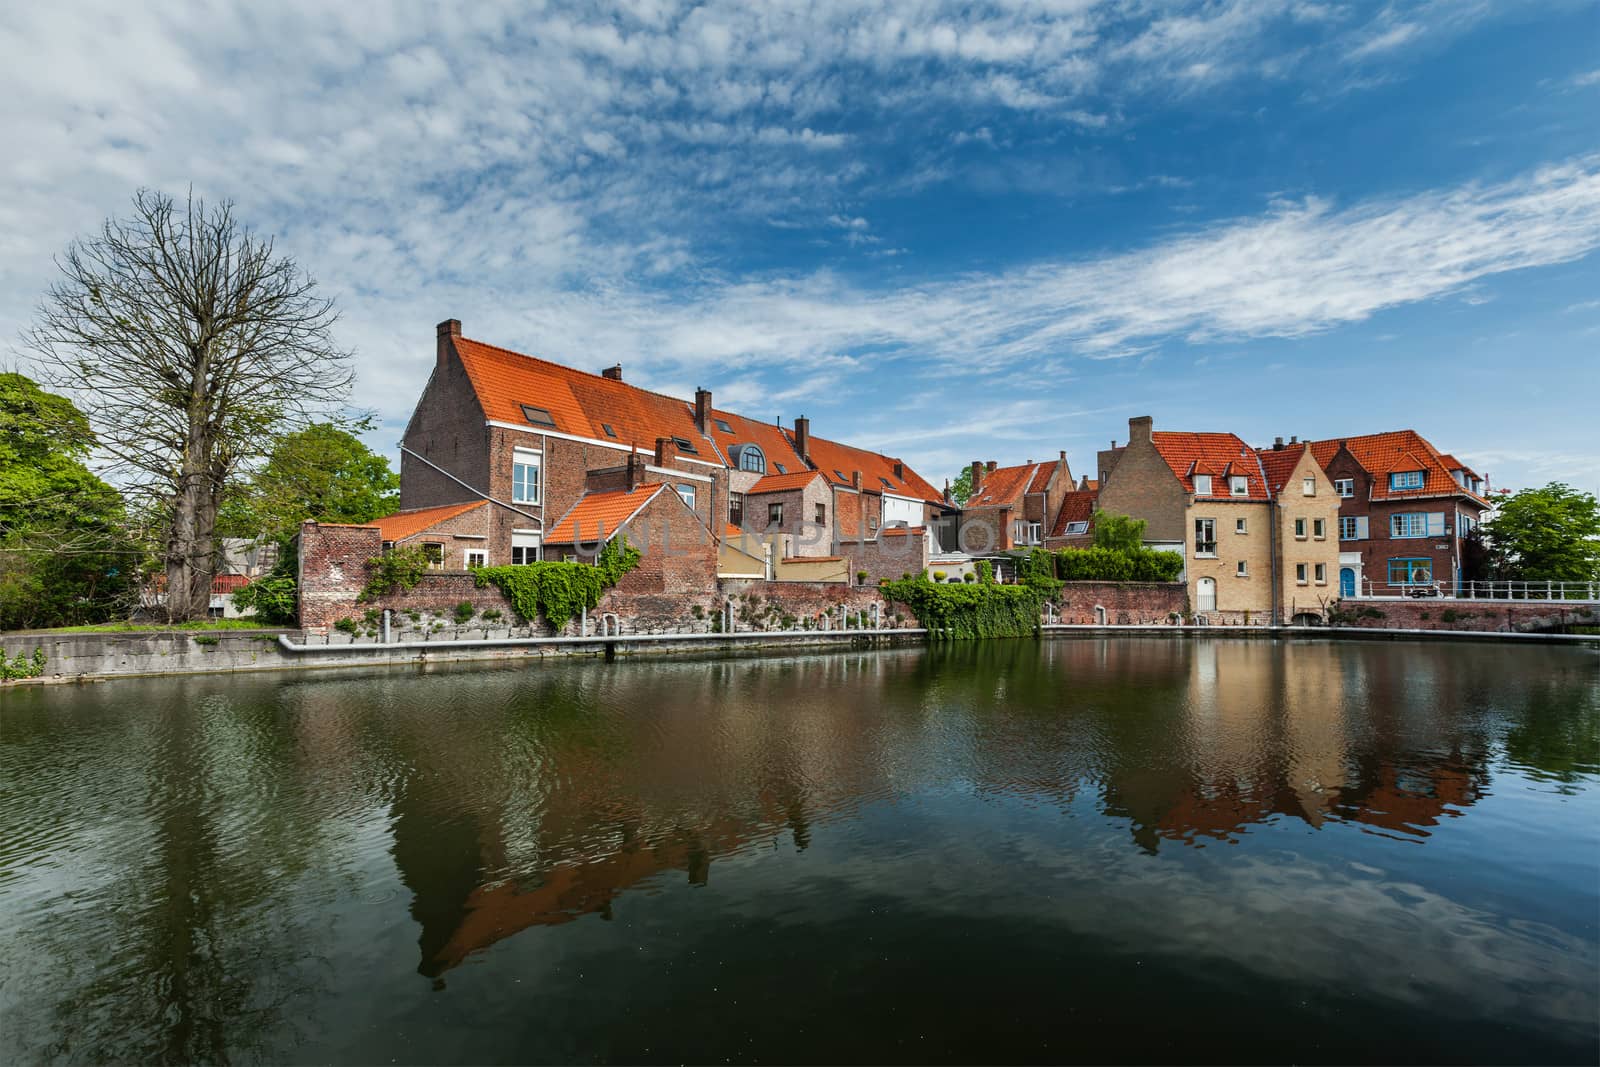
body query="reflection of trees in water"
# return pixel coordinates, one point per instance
(1557, 729)
(199, 962)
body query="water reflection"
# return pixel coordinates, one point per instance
(210, 870)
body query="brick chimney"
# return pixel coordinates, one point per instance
(614, 372)
(635, 473)
(802, 437)
(1139, 428)
(990, 466)
(855, 479)
(702, 411)
(1277, 444)
(977, 477)
(449, 330)
(899, 471)
(666, 451)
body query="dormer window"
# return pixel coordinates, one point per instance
(750, 458)
(1238, 485)
(1202, 485)
(1405, 480)
(537, 416)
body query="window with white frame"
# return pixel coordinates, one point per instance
(1405, 480)
(1345, 487)
(1241, 526)
(1353, 528)
(774, 515)
(525, 546)
(1238, 484)
(1416, 524)
(525, 476)
(751, 458)
(1300, 574)
(1319, 529)
(475, 558)
(1321, 573)
(1242, 569)
(686, 492)
(1300, 529)
(1202, 485)
(434, 552)
(1308, 486)
(1205, 537)
(1035, 532)
(1072, 529)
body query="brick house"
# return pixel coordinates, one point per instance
(1404, 510)
(1244, 534)
(1074, 524)
(1306, 546)
(527, 441)
(1012, 507)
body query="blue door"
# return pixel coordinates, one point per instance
(1347, 581)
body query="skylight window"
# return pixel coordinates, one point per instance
(537, 416)
(722, 425)
(840, 473)
(685, 445)
(887, 484)
(606, 426)
(781, 469)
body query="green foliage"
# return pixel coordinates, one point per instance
(347, 625)
(1546, 535)
(559, 590)
(322, 472)
(961, 487)
(861, 577)
(206, 641)
(964, 611)
(23, 666)
(1099, 564)
(1037, 566)
(395, 571)
(491, 614)
(938, 576)
(465, 611)
(970, 577)
(1118, 532)
(985, 571)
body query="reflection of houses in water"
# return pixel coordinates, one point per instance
(1266, 735)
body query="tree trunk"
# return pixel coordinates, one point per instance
(191, 548)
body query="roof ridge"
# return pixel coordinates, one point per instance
(575, 370)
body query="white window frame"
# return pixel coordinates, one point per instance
(1319, 573)
(524, 540)
(685, 493)
(1073, 529)
(1205, 534)
(1345, 487)
(521, 491)
(467, 555)
(1241, 526)
(1300, 576)
(1308, 486)
(1238, 485)
(1300, 529)
(435, 559)
(1319, 529)
(1241, 569)
(1202, 485)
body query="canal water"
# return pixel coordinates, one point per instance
(1078, 850)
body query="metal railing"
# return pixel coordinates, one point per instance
(1485, 590)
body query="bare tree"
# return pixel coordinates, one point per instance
(191, 346)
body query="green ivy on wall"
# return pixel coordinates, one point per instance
(1118, 565)
(23, 666)
(559, 591)
(966, 610)
(395, 571)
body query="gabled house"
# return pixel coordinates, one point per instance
(1074, 525)
(1405, 509)
(1305, 514)
(1012, 507)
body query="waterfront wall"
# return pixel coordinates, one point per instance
(1481, 616)
(1123, 603)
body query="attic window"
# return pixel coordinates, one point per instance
(840, 473)
(606, 426)
(1075, 528)
(722, 425)
(537, 416)
(780, 467)
(887, 484)
(685, 445)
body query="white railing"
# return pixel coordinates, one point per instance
(1485, 590)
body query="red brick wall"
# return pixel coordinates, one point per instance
(333, 570)
(447, 426)
(890, 556)
(1444, 614)
(1124, 602)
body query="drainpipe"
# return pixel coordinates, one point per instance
(1272, 555)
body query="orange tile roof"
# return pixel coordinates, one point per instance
(1382, 454)
(1221, 455)
(781, 483)
(771, 439)
(406, 524)
(1279, 464)
(1076, 506)
(598, 516)
(876, 469)
(901, 531)
(1041, 478)
(1093, 484)
(1003, 486)
(579, 403)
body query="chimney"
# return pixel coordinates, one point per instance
(855, 479)
(449, 329)
(947, 498)
(1277, 444)
(635, 469)
(990, 466)
(1295, 439)
(899, 471)
(702, 411)
(1139, 428)
(614, 372)
(977, 478)
(802, 437)
(666, 451)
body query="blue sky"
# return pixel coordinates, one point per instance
(946, 230)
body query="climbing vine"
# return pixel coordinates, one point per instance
(23, 666)
(1118, 565)
(395, 571)
(967, 610)
(558, 591)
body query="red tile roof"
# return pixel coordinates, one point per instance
(1003, 487)
(1076, 506)
(901, 531)
(407, 524)
(1221, 455)
(1279, 464)
(782, 483)
(1382, 454)
(877, 471)
(768, 437)
(598, 516)
(1041, 478)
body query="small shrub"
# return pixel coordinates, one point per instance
(348, 626)
(491, 614)
(205, 640)
(465, 611)
(696, 611)
(23, 666)
(861, 577)
(414, 616)
(939, 576)
(969, 577)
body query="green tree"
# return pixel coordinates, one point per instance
(322, 472)
(66, 555)
(1118, 532)
(961, 487)
(1546, 535)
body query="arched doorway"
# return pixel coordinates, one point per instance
(1347, 581)
(1205, 594)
